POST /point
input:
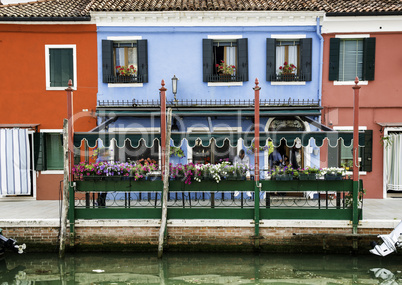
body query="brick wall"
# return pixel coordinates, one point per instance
(204, 238)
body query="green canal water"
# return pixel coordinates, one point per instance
(199, 268)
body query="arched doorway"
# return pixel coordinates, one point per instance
(295, 154)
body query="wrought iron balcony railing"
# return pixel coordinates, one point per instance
(124, 79)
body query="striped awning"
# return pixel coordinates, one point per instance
(205, 138)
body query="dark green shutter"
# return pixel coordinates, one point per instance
(242, 59)
(368, 58)
(107, 61)
(334, 45)
(271, 59)
(142, 50)
(367, 155)
(333, 156)
(61, 66)
(305, 58)
(39, 151)
(54, 151)
(207, 59)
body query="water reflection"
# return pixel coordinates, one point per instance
(197, 268)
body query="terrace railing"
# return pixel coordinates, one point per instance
(229, 199)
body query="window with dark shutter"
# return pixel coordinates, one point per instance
(225, 60)
(349, 58)
(242, 60)
(342, 156)
(288, 59)
(125, 62)
(334, 44)
(368, 58)
(54, 151)
(305, 59)
(107, 61)
(367, 151)
(142, 49)
(61, 66)
(271, 59)
(39, 151)
(207, 59)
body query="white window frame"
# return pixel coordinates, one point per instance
(352, 82)
(52, 131)
(224, 37)
(350, 128)
(124, 39)
(288, 37)
(384, 180)
(47, 66)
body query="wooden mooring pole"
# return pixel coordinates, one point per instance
(68, 161)
(63, 225)
(165, 145)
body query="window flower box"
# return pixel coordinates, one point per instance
(329, 176)
(308, 176)
(283, 177)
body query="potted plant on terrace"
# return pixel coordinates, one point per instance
(287, 71)
(284, 174)
(333, 173)
(308, 173)
(225, 71)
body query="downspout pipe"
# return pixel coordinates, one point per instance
(318, 31)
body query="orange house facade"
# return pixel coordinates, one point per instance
(367, 47)
(36, 62)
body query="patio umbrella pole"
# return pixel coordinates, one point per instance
(165, 175)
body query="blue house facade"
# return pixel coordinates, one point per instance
(137, 50)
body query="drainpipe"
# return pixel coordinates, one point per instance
(318, 31)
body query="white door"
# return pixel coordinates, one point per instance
(15, 162)
(393, 162)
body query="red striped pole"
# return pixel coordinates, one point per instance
(256, 131)
(356, 89)
(163, 125)
(70, 128)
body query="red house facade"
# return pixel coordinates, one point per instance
(37, 60)
(366, 47)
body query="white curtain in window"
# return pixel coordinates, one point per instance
(292, 55)
(230, 56)
(132, 57)
(393, 164)
(280, 57)
(15, 162)
(120, 56)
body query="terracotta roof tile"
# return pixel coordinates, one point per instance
(46, 8)
(82, 8)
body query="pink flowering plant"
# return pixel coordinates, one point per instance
(198, 172)
(287, 68)
(111, 169)
(126, 70)
(224, 68)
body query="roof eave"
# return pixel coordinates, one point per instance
(45, 19)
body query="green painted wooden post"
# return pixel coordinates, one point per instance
(257, 187)
(71, 213)
(355, 206)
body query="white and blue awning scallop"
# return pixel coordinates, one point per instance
(205, 138)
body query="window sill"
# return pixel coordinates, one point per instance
(288, 82)
(52, 172)
(60, 88)
(350, 83)
(360, 172)
(112, 85)
(217, 84)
